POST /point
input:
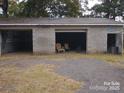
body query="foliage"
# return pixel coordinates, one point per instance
(15, 8)
(109, 8)
(44, 8)
(36, 8)
(4, 7)
(64, 8)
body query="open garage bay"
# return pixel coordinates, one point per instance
(16, 41)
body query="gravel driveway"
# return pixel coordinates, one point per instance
(93, 73)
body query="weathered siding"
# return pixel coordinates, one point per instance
(8, 41)
(16, 41)
(43, 40)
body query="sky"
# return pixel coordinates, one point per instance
(93, 2)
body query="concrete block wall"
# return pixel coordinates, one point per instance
(43, 40)
(119, 36)
(119, 42)
(96, 40)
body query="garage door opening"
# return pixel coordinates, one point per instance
(71, 41)
(16, 41)
(111, 43)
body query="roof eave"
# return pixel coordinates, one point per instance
(61, 24)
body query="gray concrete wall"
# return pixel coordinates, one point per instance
(119, 42)
(119, 36)
(43, 40)
(97, 38)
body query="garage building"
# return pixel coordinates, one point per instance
(41, 35)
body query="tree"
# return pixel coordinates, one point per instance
(54, 8)
(69, 8)
(16, 8)
(13, 7)
(4, 6)
(35, 8)
(109, 8)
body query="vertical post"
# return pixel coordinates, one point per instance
(44, 40)
(122, 40)
(0, 44)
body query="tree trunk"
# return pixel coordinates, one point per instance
(5, 8)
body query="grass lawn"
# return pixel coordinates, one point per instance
(63, 56)
(36, 79)
(42, 78)
(105, 57)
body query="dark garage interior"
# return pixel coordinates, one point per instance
(75, 40)
(16, 41)
(111, 43)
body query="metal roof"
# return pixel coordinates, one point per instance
(57, 22)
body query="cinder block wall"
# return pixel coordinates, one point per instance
(43, 40)
(96, 40)
(119, 36)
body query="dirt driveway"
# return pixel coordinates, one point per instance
(97, 76)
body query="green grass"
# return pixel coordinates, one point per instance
(36, 79)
